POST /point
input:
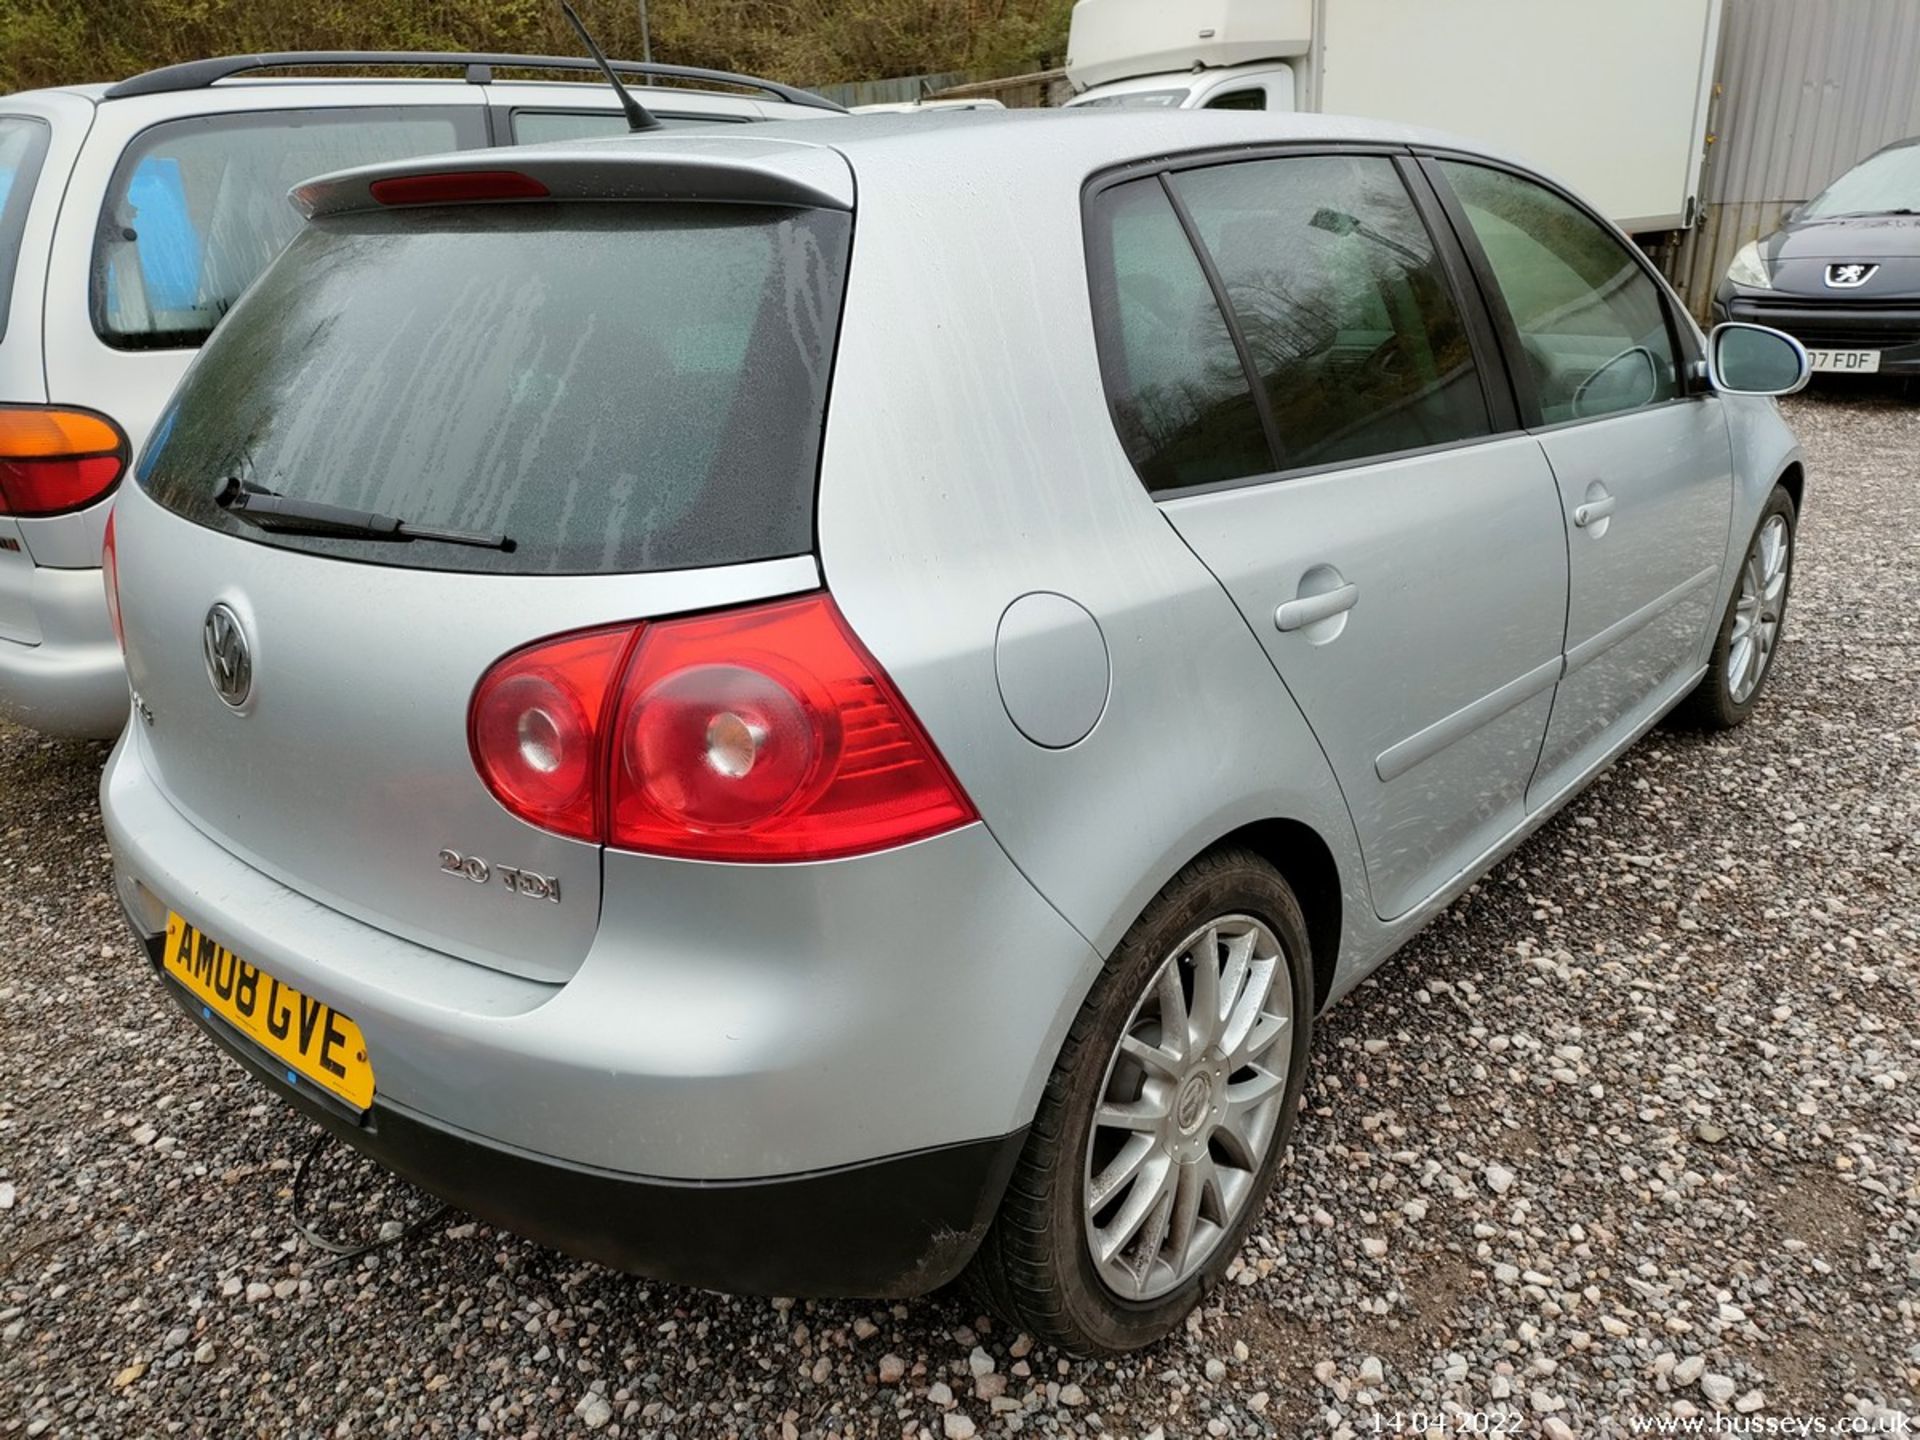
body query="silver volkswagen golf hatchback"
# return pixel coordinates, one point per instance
(817, 711)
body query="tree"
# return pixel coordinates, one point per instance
(808, 42)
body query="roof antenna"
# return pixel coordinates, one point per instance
(638, 117)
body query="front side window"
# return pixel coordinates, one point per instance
(1345, 307)
(1137, 100)
(23, 146)
(1251, 99)
(197, 207)
(1591, 320)
(1179, 393)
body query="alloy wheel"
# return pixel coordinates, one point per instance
(1758, 611)
(1189, 1108)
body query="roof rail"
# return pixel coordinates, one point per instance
(198, 74)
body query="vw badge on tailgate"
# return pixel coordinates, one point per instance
(229, 661)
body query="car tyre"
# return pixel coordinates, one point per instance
(1753, 626)
(1218, 1101)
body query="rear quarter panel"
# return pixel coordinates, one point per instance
(969, 460)
(23, 371)
(23, 375)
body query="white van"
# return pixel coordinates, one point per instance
(1546, 81)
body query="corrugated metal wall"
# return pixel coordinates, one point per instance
(1806, 88)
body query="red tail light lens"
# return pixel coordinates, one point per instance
(761, 734)
(534, 726)
(110, 576)
(54, 459)
(770, 734)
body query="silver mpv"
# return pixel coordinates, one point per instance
(814, 711)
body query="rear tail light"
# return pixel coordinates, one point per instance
(110, 576)
(535, 728)
(54, 459)
(767, 733)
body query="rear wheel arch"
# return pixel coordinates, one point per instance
(1306, 863)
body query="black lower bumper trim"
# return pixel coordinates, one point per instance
(889, 1228)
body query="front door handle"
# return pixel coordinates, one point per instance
(1587, 514)
(1312, 609)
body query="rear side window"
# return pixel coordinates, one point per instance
(23, 146)
(1178, 391)
(614, 387)
(197, 207)
(1591, 320)
(1344, 304)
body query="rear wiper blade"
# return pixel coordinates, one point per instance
(277, 513)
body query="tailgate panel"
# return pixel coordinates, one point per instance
(347, 772)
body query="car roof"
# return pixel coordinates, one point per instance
(955, 157)
(1073, 136)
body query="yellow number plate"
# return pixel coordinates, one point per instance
(308, 1036)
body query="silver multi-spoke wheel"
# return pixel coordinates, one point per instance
(1758, 610)
(1189, 1107)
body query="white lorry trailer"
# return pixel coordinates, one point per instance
(1610, 95)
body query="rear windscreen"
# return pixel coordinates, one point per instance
(613, 387)
(23, 145)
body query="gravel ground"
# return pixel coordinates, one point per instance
(1633, 1130)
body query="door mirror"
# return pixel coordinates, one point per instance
(1754, 360)
(1626, 382)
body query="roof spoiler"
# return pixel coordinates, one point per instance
(741, 171)
(478, 67)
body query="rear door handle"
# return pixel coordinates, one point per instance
(1298, 614)
(1585, 515)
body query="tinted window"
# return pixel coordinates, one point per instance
(614, 387)
(1254, 99)
(1591, 320)
(1343, 302)
(1179, 393)
(23, 145)
(536, 127)
(1878, 185)
(198, 207)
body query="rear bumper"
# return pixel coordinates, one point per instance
(804, 1079)
(888, 1228)
(1891, 328)
(73, 682)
